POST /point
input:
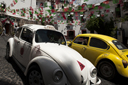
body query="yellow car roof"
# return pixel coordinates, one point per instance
(104, 37)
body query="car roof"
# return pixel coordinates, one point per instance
(101, 36)
(35, 27)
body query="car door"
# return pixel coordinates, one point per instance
(25, 46)
(16, 43)
(80, 44)
(96, 47)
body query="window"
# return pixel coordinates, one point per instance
(117, 11)
(119, 45)
(52, 4)
(49, 36)
(18, 32)
(82, 19)
(98, 43)
(81, 40)
(125, 6)
(27, 35)
(70, 19)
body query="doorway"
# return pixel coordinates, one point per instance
(7, 28)
(84, 31)
(70, 34)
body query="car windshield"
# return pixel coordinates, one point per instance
(119, 45)
(49, 36)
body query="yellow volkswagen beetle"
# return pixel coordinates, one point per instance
(105, 52)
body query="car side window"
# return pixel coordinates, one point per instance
(81, 40)
(94, 42)
(27, 35)
(18, 32)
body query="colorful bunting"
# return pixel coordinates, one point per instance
(85, 0)
(107, 6)
(106, 2)
(45, 4)
(115, 1)
(107, 11)
(100, 7)
(15, 1)
(89, 5)
(63, 16)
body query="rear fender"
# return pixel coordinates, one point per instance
(11, 44)
(117, 61)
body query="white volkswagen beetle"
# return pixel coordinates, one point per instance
(42, 54)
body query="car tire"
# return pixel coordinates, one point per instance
(107, 70)
(7, 57)
(34, 76)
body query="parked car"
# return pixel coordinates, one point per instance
(42, 54)
(106, 53)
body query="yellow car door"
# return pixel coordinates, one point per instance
(80, 44)
(96, 48)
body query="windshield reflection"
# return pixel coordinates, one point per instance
(119, 45)
(49, 36)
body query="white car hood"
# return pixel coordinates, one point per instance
(68, 59)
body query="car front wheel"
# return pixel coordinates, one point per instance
(107, 70)
(34, 76)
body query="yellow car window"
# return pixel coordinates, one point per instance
(98, 43)
(81, 40)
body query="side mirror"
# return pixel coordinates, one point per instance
(70, 45)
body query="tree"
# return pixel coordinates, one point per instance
(101, 26)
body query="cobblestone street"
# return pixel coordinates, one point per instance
(9, 73)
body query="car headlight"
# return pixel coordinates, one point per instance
(57, 75)
(93, 72)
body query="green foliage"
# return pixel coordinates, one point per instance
(124, 19)
(101, 26)
(94, 23)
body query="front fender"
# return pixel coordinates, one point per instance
(117, 61)
(11, 43)
(47, 66)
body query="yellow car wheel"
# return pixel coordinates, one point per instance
(107, 70)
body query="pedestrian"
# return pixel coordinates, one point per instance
(15, 29)
(4, 31)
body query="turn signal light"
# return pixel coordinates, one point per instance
(125, 63)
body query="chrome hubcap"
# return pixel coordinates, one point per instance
(107, 70)
(35, 78)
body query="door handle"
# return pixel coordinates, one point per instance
(84, 48)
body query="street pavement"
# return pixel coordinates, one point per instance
(10, 74)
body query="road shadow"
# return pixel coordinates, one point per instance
(120, 80)
(18, 70)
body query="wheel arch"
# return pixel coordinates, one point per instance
(10, 42)
(115, 60)
(47, 66)
(108, 60)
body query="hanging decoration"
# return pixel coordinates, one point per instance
(52, 12)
